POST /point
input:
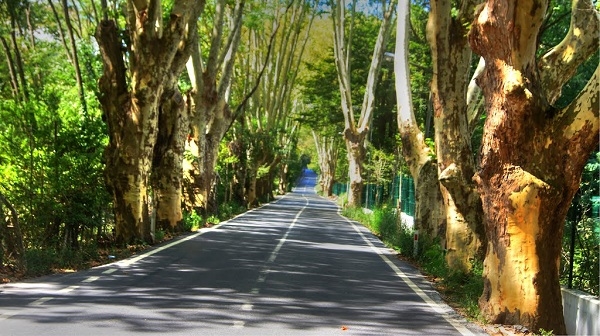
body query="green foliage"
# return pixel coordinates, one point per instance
(583, 216)
(159, 235)
(544, 332)
(212, 219)
(192, 221)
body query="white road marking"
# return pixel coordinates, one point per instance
(247, 306)
(41, 301)
(68, 289)
(238, 324)
(91, 279)
(9, 314)
(262, 277)
(109, 271)
(435, 306)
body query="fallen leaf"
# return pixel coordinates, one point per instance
(344, 328)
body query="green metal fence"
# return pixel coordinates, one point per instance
(378, 194)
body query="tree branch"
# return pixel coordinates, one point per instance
(581, 116)
(559, 64)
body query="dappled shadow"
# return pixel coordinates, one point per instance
(238, 279)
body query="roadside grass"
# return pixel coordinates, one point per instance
(461, 291)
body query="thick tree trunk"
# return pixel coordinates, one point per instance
(283, 179)
(167, 179)
(532, 159)
(250, 196)
(451, 56)
(131, 107)
(430, 215)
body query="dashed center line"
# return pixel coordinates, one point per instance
(68, 289)
(238, 324)
(109, 271)
(41, 301)
(91, 279)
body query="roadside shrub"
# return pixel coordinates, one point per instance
(40, 261)
(191, 221)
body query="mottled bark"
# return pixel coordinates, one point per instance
(532, 157)
(167, 166)
(451, 55)
(210, 116)
(131, 108)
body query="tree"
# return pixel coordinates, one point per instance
(447, 30)
(131, 96)
(532, 154)
(211, 114)
(355, 133)
(268, 116)
(429, 216)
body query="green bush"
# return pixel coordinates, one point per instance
(191, 221)
(40, 261)
(159, 235)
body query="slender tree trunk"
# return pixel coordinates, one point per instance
(74, 57)
(12, 235)
(430, 217)
(14, 82)
(451, 56)
(355, 132)
(532, 158)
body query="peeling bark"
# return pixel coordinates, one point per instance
(451, 56)
(532, 157)
(131, 108)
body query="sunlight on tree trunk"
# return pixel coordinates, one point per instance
(532, 157)
(451, 54)
(132, 106)
(430, 215)
(355, 133)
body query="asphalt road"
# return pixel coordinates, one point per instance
(291, 267)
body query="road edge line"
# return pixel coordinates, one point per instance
(436, 306)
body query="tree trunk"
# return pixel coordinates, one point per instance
(131, 107)
(168, 160)
(430, 216)
(74, 57)
(12, 235)
(283, 179)
(532, 157)
(355, 132)
(451, 55)
(355, 145)
(327, 156)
